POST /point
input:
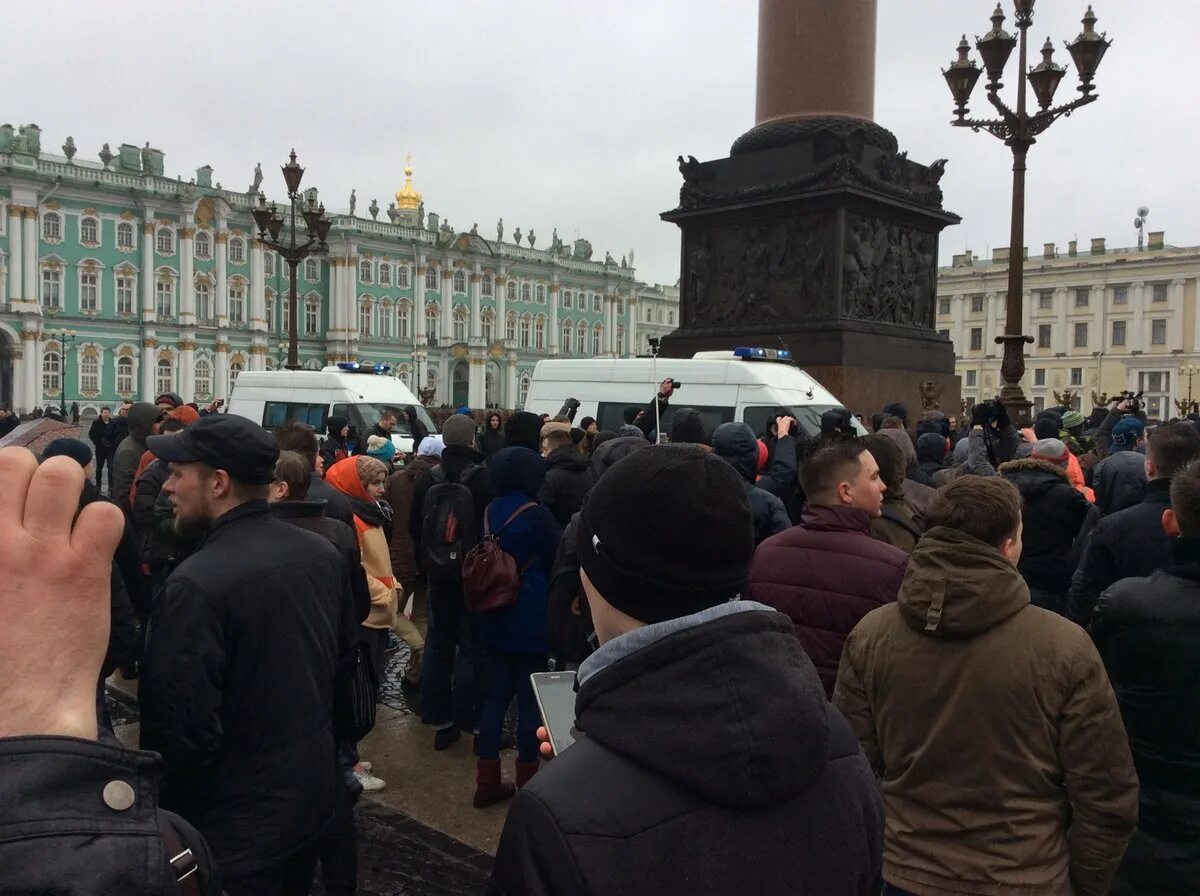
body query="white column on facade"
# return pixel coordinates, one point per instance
(221, 373)
(187, 277)
(1098, 331)
(555, 298)
(29, 263)
(1175, 321)
(15, 257)
(631, 338)
(1138, 340)
(501, 312)
(187, 366)
(610, 324)
(447, 303)
(148, 268)
(958, 332)
(258, 296)
(989, 323)
(475, 382)
(148, 364)
(1027, 313)
(420, 337)
(511, 371)
(350, 305)
(1196, 325)
(476, 332)
(220, 240)
(31, 362)
(1061, 341)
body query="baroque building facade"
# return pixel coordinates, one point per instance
(1103, 320)
(117, 282)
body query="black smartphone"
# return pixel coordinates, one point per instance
(555, 693)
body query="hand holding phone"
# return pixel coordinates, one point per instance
(555, 694)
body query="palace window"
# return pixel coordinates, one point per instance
(597, 303)
(1046, 299)
(976, 339)
(488, 322)
(620, 342)
(526, 326)
(364, 318)
(164, 376)
(364, 272)
(237, 250)
(204, 308)
(1120, 295)
(671, 318)
(1083, 297)
(1081, 335)
(125, 289)
(203, 244)
(976, 304)
(526, 293)
(89, 293)
(431, 278)
(566, 302)
(402, 276)
(510, 291)
(236, 366)
(1039, 376)
(403, 319)
(125, 236)
(1160, 292)
(52, 226)
(124, 375)
(237, 305)
(312, 270)
(582, 338)
(1158, 331)
(52, 288)
(541, 294)
(164, 242)
(460, 325)
(539, 333)
(52, 370)
(620, 307)
(510, 326)
(567, 329)
(89, 231)
(598, 341)
(460, 281)
(385, 321)
(431, 321)
(1044, 334)
(523, 389)
(164, 299)
(972, 378)
(312, 312)
(269, 308)
(203, 378)
(1118, 332)
(1076, 376)
(943, 306)
(89, 373)
(269, 264)
(488, 287)
(385, 274)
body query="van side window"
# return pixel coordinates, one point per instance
(276, 413)
(808, 416)
(611, 414)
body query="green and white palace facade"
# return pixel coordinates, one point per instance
(118, 282)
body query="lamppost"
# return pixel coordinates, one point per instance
(1189, 370)
(67, 338)
(293, 251)
(1019, 130)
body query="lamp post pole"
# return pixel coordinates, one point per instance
(1019, 130)
(1190, 371)
(294, 250)
(67, 338)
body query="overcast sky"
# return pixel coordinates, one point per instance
(567, 114)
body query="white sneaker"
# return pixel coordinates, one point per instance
(370, 784)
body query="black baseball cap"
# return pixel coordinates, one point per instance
(240, 447)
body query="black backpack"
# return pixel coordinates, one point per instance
(449, 525)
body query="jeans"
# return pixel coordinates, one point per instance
(450, 673)
(101, 460)
(508, 676)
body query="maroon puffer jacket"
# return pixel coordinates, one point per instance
(826, 574)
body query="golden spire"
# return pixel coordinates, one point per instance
(407, 198)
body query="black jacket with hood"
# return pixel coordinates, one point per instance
(650, 800)
(142, 417)
(735, 442)
(567, 482)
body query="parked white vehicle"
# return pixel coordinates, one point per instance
(357, 392)
(743, 384)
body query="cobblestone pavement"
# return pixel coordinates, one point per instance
(397, 855)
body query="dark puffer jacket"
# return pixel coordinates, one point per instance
(931, 453)
(1119, 481)
(826, 574)
(736, 444)
(1148, 632)
(129, 453)
(676, 806)
(567, 482)
(1054, 514)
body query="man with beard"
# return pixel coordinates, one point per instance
(245, 640)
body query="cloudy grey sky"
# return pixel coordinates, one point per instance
(569, 114)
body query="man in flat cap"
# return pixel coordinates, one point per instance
(245, 642)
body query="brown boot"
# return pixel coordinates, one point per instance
(525, 771)
(489, 788)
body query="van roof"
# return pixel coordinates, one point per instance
(729, 371)
(370, 387)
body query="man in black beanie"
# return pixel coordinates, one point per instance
(703, 727)
(524, 430)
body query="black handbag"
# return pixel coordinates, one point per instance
(355, 716)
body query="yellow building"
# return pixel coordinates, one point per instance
(1103, 320)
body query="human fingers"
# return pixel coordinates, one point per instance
(17, 466)
(52, 500)
(98, 531)
(546, 751)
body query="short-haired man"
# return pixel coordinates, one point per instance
(387, 422)
(990, 721)
(1148, 632)
(1120, 479)
(246, 638)
(568, 477)
(711, 761)
(1131, 542)
(100, 447)
(827, 572)
(301, 438)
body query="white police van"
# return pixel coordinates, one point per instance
(357, 391)
(746, 385)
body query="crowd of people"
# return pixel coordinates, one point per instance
(932, 659)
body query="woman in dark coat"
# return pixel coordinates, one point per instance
(514, 637)
(334, 448)
(492, 439)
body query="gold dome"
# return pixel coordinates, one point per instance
(407, 198)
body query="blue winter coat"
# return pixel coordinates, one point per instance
(532, 539)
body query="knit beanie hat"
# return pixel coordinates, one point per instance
(629, 429)
(694, 567)
(464, 411)
(1052, 450)
(688, 427)
(896, 409)
(1072, 419)
(458, 431)
(1126, 433)
(522, 430)
(1045, 427)
(378, 446)
(431, 446)
(73, 448)
(185, 414)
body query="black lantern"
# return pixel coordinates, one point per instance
(994, 48)
(1087, 50)
(961, 77)
(1045, 77)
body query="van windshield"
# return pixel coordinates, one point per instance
(371, 413)
(807, 415)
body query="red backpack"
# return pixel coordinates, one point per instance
(491, 579)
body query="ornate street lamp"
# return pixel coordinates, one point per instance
(1019, 130)
(293, 251)
(67, 338)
